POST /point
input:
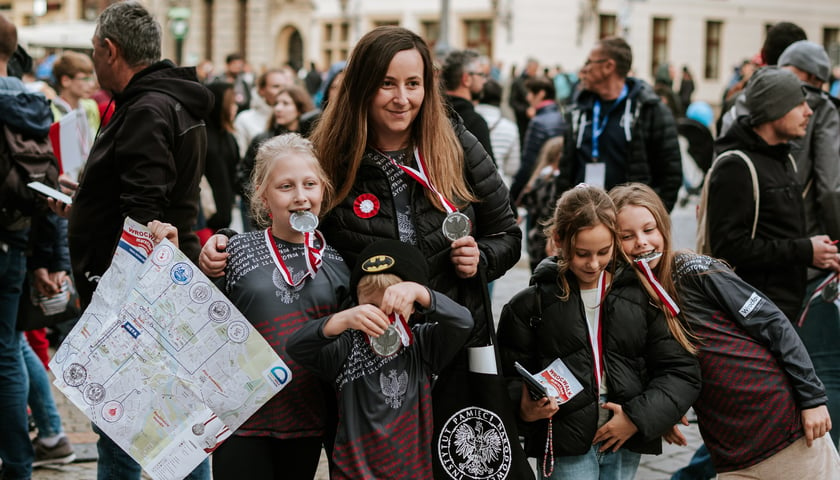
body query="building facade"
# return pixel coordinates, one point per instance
(710, 37)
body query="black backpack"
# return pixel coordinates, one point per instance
(24, 159)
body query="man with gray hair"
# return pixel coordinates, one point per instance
(145, 164)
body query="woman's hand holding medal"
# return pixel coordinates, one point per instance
(465, 256)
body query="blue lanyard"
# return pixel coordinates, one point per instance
(598, 127)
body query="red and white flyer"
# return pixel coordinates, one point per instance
(559, 381)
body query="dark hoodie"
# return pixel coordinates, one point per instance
(145, 164)
(776, 260)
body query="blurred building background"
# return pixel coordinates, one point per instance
(710, 37)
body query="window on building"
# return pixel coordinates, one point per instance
(386, 23)
(479, 36)
(334, 41)
(711, 69)
(430, 31)
(831, 42)
(659, 44)
(606, 26)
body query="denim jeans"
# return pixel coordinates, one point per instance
(821, 335)
(41, 400)
(595, 465)
(115, 464)
(699, 468)
(15, 447)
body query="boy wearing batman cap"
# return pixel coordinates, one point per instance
(382, 368)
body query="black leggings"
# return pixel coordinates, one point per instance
(266, 458)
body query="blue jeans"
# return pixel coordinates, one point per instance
(699, 468)
(821, 335)
(15, 447)
(595, 465)
(115, 464)
(41, 400)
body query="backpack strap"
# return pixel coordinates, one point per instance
(703, 244)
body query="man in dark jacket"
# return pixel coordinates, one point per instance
(462, 78)
(619, 131)
(774, 256)
(146, 163)
(28, 114)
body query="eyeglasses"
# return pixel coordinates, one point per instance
(480, 74)
(589, 61)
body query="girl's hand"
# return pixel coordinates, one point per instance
(675, 436)
(616, 431)
(161, 230)
(365, 318)
(400, 298)
(533, 410)
(465, 256)
(816, 422)
(213, 258)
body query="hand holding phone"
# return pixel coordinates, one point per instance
(535, 389)
(50, 192)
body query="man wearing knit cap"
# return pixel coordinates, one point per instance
(773, 255)
(817, 157)
(771, 251)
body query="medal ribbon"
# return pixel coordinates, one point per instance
(402, 328)
(312, 255)
(666, 299)
(817, 292)
(598, 127)
(419, 174)
(595, 337)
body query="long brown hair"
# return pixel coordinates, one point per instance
(640, 195)
(581, 207)
(342, 133)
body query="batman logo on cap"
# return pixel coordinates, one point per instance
(377, 263)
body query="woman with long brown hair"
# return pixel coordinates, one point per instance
(404, 170)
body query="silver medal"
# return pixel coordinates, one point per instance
(386, 344)
(456, 225)
(649, 257)
(303, 221)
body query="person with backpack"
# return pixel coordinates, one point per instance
(26, 120)
(771, 249)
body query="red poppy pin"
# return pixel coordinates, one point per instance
(366, 205)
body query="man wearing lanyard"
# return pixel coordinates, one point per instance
(619, 130)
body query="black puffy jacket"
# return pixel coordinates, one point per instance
(653, 150)
(648, 373)
(494, 228)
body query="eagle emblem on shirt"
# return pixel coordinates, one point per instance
(393, 386)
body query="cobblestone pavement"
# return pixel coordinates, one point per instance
(658, 467)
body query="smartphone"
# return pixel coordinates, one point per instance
(50, 192)
(536, 389)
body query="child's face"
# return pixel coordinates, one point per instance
(292, 185)
(639, 232)
(592, 251)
